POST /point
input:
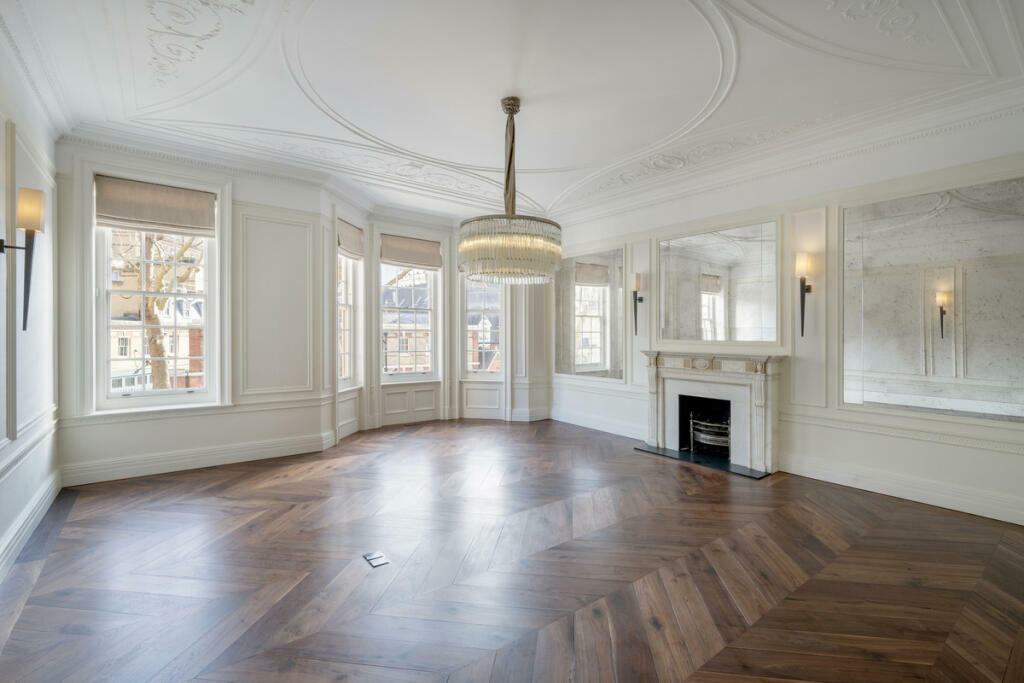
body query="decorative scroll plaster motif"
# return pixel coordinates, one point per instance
(180, 27)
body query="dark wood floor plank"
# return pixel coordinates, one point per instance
(541, 551)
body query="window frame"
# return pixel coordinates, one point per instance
(464, 329)
(602, 318)
(354, 268)
(95, 377)
(434, 279)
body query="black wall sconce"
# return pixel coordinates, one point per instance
(638, 284)
(802, 263)
(31, 207)
(942, 300)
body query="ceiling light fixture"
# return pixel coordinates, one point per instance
(510, 248)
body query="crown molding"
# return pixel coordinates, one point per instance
(793, 155)
(35, 68)
(123, 142)
(402, 216)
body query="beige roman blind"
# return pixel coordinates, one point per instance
(409, 252)
(137, 205)
(591, 274)
(350, 240)
(712, 284)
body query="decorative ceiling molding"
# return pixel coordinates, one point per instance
(889, 18)
(178, 29)
(714, 17)
(673, 161)
(793, 161)
(33, 63)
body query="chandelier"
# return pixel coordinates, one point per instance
(510, 248)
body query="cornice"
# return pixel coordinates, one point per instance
(788, 160)
(97, 138)
(49, 96)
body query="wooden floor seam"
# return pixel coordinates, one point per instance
(518, 552)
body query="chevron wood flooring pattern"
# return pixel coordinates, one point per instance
(526, 552)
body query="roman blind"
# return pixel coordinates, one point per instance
(409, 252)
(137, 205)
(350, 240)
(591, 274)
(712, 284)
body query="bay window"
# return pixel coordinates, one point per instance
(408, 293)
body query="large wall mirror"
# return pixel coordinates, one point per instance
(934, 301)
(589, 315)
(719, 286)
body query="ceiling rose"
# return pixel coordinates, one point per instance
(509, 248)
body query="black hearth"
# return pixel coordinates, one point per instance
(705, 433)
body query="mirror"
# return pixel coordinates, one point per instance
(589, 315)
(719, 286)
(932, 306)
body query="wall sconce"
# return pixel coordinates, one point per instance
(31, 207)
(942, 299)
(638, 285)
(802, 263)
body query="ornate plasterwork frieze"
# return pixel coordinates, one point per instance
(891, 18)
(177, 30)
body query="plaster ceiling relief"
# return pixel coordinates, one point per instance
(681, 159)
(598, 80)
(925, 35)
(181, 49)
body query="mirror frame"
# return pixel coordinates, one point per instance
(783, 288)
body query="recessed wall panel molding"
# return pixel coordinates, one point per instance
(809, 376)
(933, 314)
(275, 313)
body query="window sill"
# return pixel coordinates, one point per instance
(350, 390)
(170, 409)
(410, 380)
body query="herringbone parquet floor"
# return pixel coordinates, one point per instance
(518, 552)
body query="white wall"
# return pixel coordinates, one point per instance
(970, 464)
(29, 474)
(278, 390)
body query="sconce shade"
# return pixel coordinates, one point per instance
(638, 282)
(941, 298)
(802, 264)
(30, 210)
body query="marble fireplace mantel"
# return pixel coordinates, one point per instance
(748, 382)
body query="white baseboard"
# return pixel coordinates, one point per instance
(601, 423)
(174, 461)
(15, 537)
(967, 499)
(348, 427)
(530, 414)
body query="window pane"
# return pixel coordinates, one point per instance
(156, 339)
(125, 245)
(189, 373)
(405, 319)
(125, 343)
(188, 312)
(158, 247)
(126, 376)
(190, 279)
(125, 274)
(125, 309)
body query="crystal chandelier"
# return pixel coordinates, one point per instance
(509, 248)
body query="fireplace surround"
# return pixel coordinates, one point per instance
(747, 383)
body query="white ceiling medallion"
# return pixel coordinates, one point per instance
(510, 248)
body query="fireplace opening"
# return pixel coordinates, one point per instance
(704, 427)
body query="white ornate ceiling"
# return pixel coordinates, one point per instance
(400, 98)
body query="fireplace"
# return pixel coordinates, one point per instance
(706, 426)
(728, 400)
